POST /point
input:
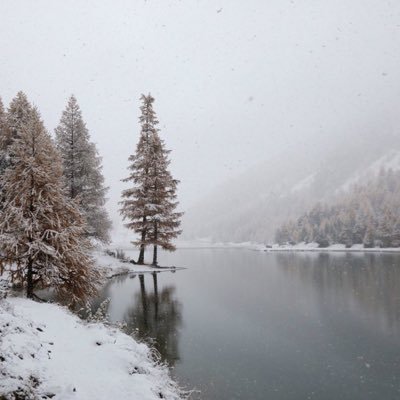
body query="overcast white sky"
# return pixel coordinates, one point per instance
(234, 80)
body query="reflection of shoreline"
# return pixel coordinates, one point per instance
(367, 285)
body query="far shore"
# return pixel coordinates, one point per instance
(301, 247)
(334, 249)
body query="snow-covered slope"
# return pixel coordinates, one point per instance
(304, 184)
(390, 160)
(252, 206)
(47, 352)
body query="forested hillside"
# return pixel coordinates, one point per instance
(252, 206)
(368, 213)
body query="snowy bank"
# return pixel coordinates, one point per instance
(48, 352)
(111, 266)
(356, 248)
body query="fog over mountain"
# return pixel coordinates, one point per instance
(253, 205)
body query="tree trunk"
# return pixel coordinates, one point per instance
(29, 276)
(155, 255)
(140, 260)
(155, 245)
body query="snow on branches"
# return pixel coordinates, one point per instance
(42, 231)
(149, 205)
(82, 170)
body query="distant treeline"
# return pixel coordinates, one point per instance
(368, 214)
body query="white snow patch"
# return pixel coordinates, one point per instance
(46, 350)
(313, 246)
(111, 266)
(304, 183)
(332, 248)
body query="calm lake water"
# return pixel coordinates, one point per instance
(240, 324)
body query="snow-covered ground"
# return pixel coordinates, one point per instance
(48, 352)
(332, 248)
(111, 266)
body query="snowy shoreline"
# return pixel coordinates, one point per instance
(301, 247)
(333, 249)
(47, 351)
(112, 267)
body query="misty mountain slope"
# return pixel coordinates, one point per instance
(253, 205)
(368, 213)
(390, 160)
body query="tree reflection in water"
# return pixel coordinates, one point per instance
(156, 317)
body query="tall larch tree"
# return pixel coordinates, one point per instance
(83, 170)
(41, 230)
(149, 206)
(165, 221)
(135, 204)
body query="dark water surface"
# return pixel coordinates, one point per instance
(240, 324)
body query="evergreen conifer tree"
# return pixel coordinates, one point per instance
(135, 204)
(368, 239)
(149, 206)
(16, 119)
(165, 221)
(11, 124)
(18, 115)
(41, 230)
(82, 170)
(385, 228)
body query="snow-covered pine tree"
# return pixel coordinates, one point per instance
(135, 206)
(368, 240)
(11, 124)
(18, 114)
(82, 170)
(14, 121)
(165, 221)
(41, 230)
(385, 228)
(150, 204)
